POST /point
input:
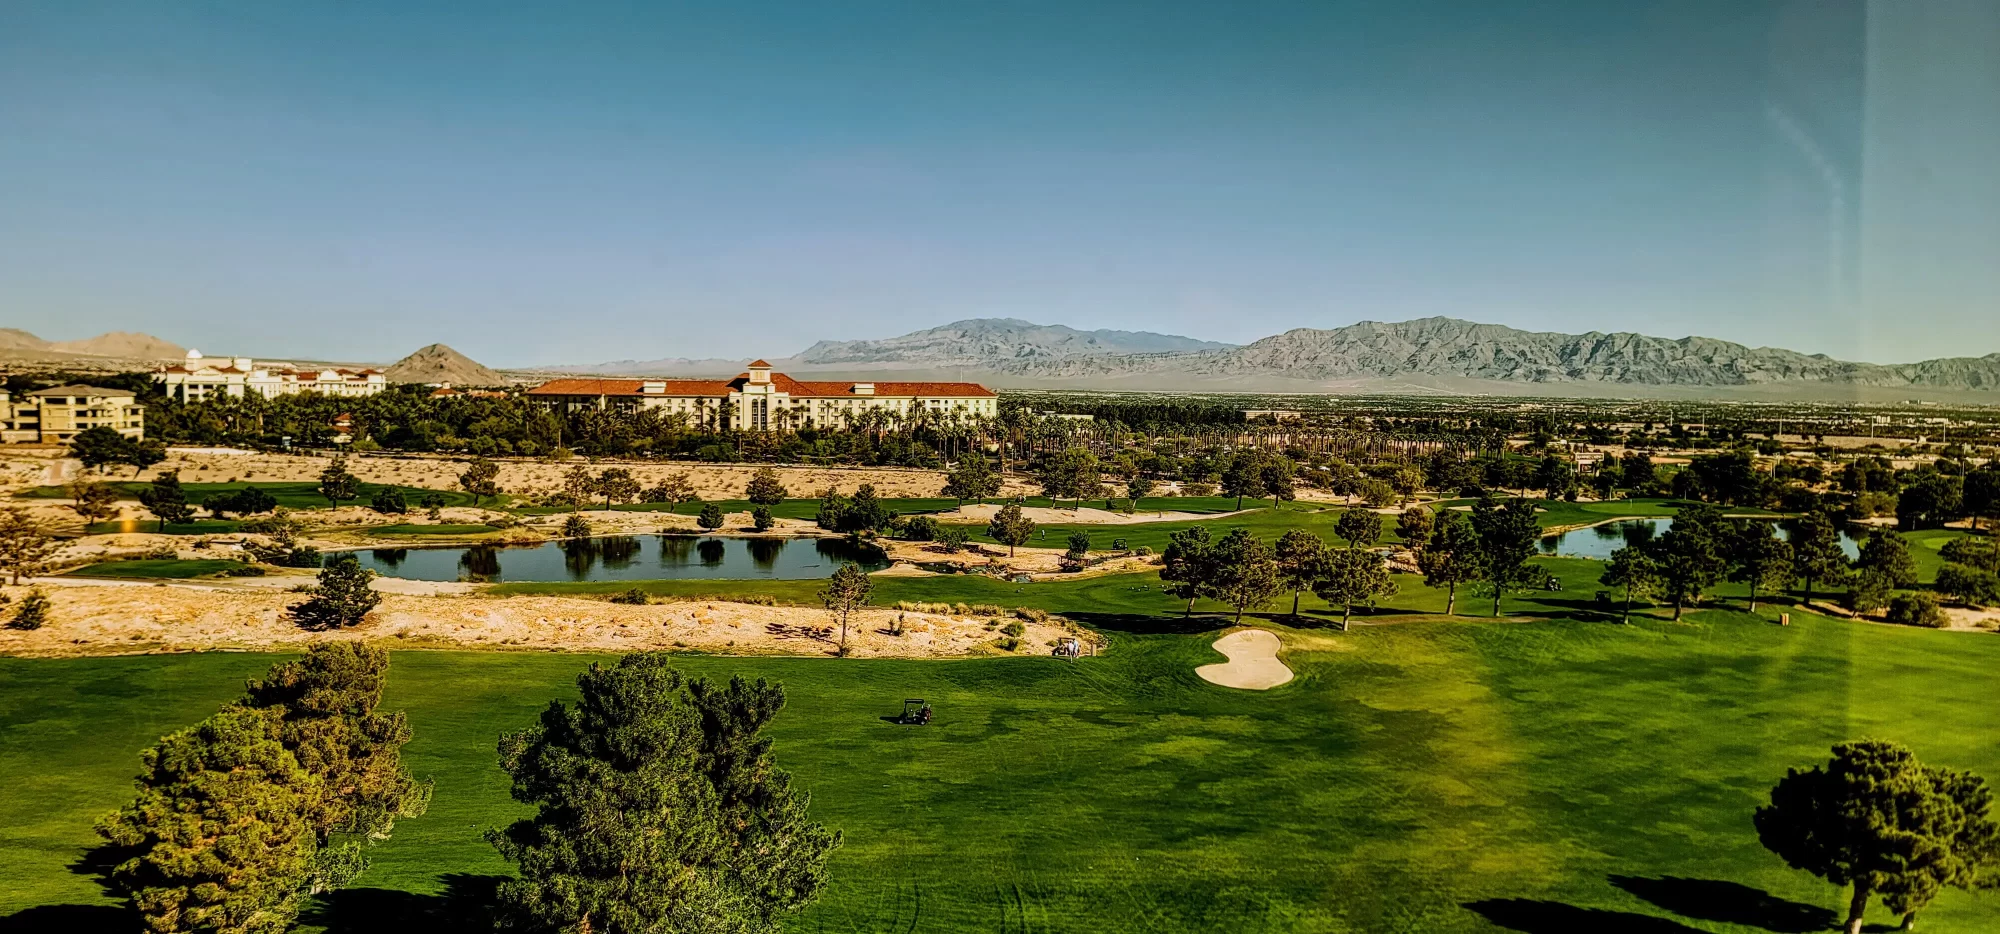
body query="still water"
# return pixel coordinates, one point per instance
(627, 558)
(1599, 541)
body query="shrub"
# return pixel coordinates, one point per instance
(1917, 609)
(1198, 489)
(1969, 585)
(576, 526)
(1014, 628)
(633, 597)
(711, 516)
(1009, 644)
(761, 520)
(1031, 614)
(389, 501)
(1117, 544)
(32, 614)
(1142, 551)
(920, 529)
(245, 570)
(953, 537)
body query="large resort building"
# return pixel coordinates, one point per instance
(54, 416)
(200, 378)
(760, 400)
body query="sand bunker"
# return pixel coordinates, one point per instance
(1253, 662)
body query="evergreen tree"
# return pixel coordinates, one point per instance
(1073, 474)
(972, 479)
(761, 519)
(674, 490)
(342, 598)
(864, 511)
(92, 499)
(1010, 528)
(616, 485)
(1245, 572)
(1631, 568)
(166, 500)
(1877, 819)
(100, 446)
(1277, 472)
(219, 838)
(1244, 476)
(578, 486)
(832, 515)
(1690, 555)
(1507, 535)
(389, 500)
(327, 719)
(1816, 554)
(336, 484)
(710, 518)
(1189, 565)
(1353, 577)
(1759, 559)
(481, 479)
(1887, 554)
(764, 488)
(846, 591)
(1414, 527)
(32, 614)
(1302, 561)
(1451, 557)
(25, 546)
(1360, 528)
(659, 809)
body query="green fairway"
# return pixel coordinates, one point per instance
(160, 568)
(291, 495)
(1413, 778)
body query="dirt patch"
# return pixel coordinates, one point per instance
(978, 513)
(1253, 661)
(106, 618)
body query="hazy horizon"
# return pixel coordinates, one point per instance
(354, 181)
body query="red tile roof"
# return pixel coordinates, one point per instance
(842, 389)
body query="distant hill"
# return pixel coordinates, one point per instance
(440, 364)
(17, 344)
(996, 342)
(1451, 348)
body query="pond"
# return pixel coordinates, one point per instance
(1599, 541)
(627, 558)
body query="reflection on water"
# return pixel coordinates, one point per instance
(1599, 541)
(626, 557)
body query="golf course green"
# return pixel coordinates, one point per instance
(1555, 775)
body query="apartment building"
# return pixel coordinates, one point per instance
(761, 400)
(53, 416)
(201, 378)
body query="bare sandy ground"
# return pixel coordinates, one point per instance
(123, 619)
(1253, 661)
(1087, 515)
(528, 478)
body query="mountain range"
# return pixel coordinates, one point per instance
(1429, 355)
(1426, 355)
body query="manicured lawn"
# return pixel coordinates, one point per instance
(1553, 776)
(409, 528)
(161, 569)
(291, 495)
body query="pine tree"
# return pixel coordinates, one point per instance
(1631, 568)
(1816, 554)
(1010, 528)
(1189, 565)
(336, 484)
(1451, 556)
(1360, 528)
(1302, 561)
(342, 599)
(327, 719)
(1506, 541)
(25, 546)
(1690, 555)
(1245, 573)
(1353, 576)
(1877, 819)
(219, 837)
(166, 500)
(764, 488)
(481, 479)
(846, 591)
(1760, 559)
(658, 809)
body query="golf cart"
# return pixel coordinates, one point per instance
(916, 712)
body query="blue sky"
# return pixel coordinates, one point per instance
(589, 181)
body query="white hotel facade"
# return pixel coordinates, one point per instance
(201, 378)
(761, 400)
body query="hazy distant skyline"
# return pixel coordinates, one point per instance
(597, 181)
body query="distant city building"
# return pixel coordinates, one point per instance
(53, 416)
(1274, 414)
(201, 378)
(760, 400)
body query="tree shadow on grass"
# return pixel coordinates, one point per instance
(1138, 624)
(466, 905)
(1728, 902)
(71, 919)
(1533, 916)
